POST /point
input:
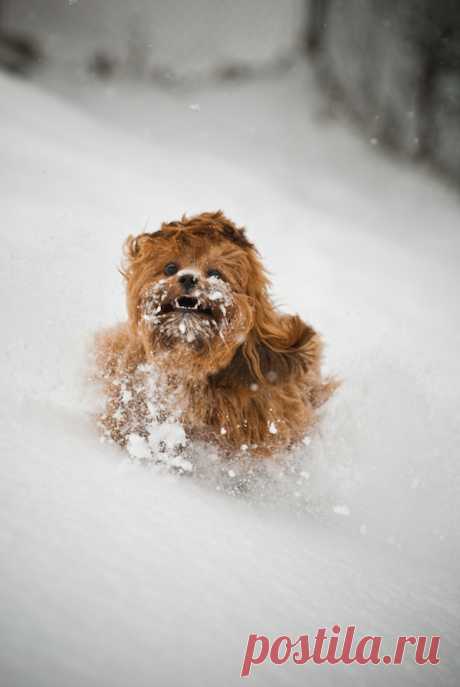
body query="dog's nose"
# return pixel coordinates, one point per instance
(188, 282)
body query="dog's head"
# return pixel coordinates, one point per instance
(197, 295)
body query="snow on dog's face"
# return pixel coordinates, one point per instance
(191, 292)
(188, 306)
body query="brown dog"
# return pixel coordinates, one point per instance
(205, 346)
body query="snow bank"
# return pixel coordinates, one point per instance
(113, 573)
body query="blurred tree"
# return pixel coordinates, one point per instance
(18, 52)
(395, 66)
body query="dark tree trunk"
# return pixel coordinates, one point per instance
(18, 52)
(395, 66)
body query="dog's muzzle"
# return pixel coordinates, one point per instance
(196, 315)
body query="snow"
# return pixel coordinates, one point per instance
(189, 328)
(342, 509)
(118, 573)
(173, 38)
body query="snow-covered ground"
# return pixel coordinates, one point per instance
(117, 574)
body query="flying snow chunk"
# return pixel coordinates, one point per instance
(195, 107)
(126, 396)
(272, 428)
(341, 510)
(138, 447)
(169, 434)
(181, 463)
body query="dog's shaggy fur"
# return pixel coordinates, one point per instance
(232, 369)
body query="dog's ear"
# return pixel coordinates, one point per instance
(132, 247)
(281, 346)
(134, 264)
(133, 252)
(278, 346)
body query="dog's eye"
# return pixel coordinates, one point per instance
(215, 273)
(170, 269)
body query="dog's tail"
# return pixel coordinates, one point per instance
(322, 392)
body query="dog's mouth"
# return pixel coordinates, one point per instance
(195, 318)
(186, 305)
